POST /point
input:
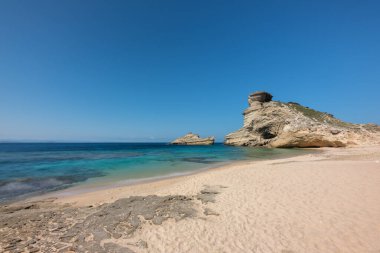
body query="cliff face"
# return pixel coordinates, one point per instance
(277, 124)
(193, 139)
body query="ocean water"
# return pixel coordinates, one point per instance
(28, 169)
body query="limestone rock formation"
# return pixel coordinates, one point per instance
(277, 124)
(193, 139)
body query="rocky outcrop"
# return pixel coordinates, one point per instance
(193, 139)
(260, 96)
(47, 226)
(277, 124)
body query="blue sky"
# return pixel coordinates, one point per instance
(154, 70)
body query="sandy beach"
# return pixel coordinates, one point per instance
(189, 126)
(322, 202)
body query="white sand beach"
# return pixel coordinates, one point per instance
(323, 202)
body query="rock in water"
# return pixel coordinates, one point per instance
(193, 139)
(277, 124)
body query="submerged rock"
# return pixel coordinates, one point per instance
(277, 124)
(193, 139)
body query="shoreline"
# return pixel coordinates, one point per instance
(320, 202)
(109, 184)
(70, 194)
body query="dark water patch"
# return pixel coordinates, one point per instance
(30, 186)
(202, 160)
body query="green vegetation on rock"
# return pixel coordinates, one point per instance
(318, 116)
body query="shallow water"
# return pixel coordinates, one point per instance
(28, 169)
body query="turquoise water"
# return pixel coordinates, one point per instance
(28, 169)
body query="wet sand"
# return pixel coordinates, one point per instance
(323, 202)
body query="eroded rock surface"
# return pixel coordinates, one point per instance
(209, 193)
(193, 139)
(277, 124)
(51, 228)
(48, 227)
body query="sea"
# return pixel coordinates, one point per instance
(30, 169)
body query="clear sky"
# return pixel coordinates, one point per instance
(136, 70)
